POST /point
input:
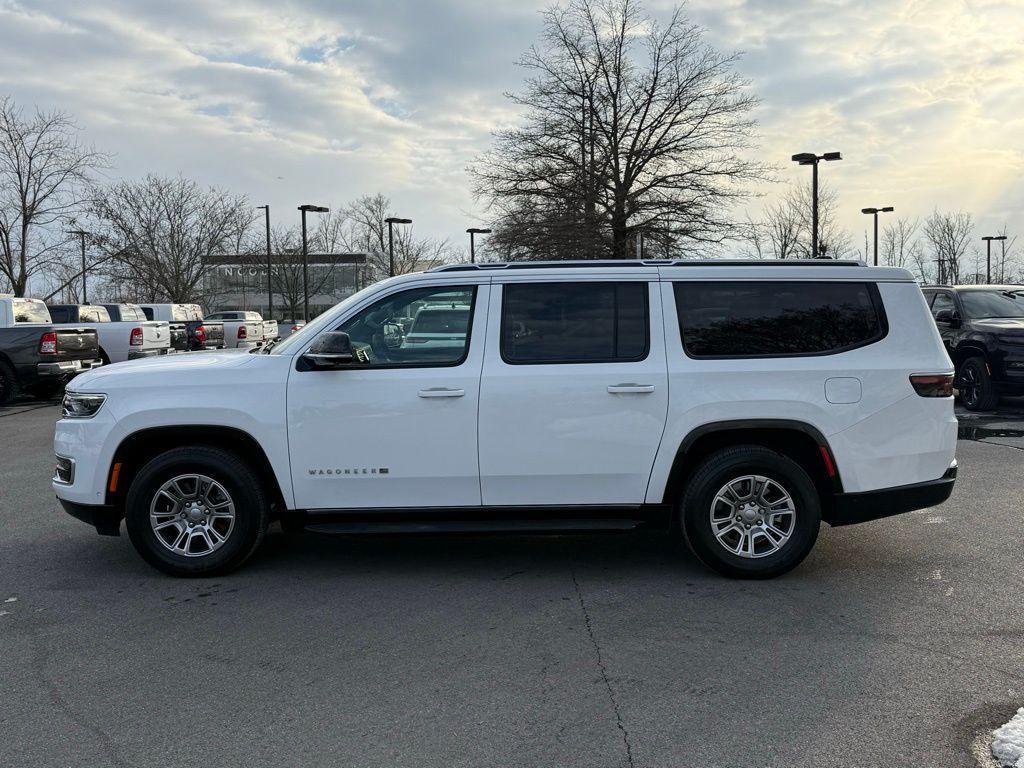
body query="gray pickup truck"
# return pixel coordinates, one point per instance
(37, 356)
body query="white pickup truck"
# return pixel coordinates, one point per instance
(242, 329)
(128, 336)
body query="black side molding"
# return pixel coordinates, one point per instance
(105, 517)
(851, 508)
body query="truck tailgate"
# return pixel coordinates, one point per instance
(156, 334)
(214, 334)
(75, 344)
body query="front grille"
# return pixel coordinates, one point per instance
(65, 471)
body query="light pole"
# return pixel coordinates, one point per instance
(391, 221)
(874, 212)
(270, 289)
(472, 246)
(988, 255)
(81, 234)
(305, 257)
(811, 159)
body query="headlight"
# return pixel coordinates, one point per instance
(78, 406)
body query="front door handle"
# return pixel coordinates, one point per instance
(441, 392)
(631, 389)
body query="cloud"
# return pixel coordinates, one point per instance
(297, 101)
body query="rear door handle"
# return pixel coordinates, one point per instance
(631, 389)
(441, 392)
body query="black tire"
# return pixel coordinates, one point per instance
(237, 479)
(8, 384)
(699, 500)
(48, 390)
(977, 392)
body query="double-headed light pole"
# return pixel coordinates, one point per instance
(473, 231)
(811, 159)
(988, 255)
(305, 257)
(270, 287)
(874, 212)
(391, 221)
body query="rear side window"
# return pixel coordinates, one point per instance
(129, 313)
(60, 314)
(593, 322)
(777, 319)
(148, 312)
(93, 315)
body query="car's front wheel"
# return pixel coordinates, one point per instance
(196, 511)
(977, 391)
(750, 512)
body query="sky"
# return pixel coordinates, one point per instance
(319, 101)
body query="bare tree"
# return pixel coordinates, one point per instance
(949, 237)
(44, 173)
(630, 126)
(160, 233)
(361, 226)
(784, 230)
(1006, 259)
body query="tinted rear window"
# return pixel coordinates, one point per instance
(772, 319)
(574, 322)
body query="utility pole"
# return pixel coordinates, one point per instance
(270, 288)
(472, 246)
(988, 255)
(305, 257)
(874, 212)
(391, 221)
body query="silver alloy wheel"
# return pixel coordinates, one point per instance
(192, 515)
(753, 516)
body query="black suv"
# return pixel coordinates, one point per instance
(982, 327)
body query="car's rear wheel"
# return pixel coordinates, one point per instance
(8, 384)
(977, 392)
(750, 512)
(196, 512)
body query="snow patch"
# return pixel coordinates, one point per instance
(1008, 742)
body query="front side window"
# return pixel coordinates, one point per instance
(942, 301)
(591, 322)
(777, 319)
(419, 327)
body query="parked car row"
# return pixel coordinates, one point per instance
(43, 346)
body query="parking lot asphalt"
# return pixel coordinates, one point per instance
(897, 643)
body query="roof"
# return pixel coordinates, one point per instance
(977, 287)
(637, 263)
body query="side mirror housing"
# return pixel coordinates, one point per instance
(330, 351)
(948, 317)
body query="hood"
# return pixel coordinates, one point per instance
(159, 369)
(1008, 325)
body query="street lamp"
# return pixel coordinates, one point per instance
(988, 255)
(81, 234)
(270, 290)
(472, 248)
(391, 221)
(811, 159)
(305, 257)
(874, 212)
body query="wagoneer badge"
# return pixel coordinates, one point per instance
(350, 472)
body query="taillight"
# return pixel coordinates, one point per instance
(48, 343)
(136, 338)
(200, 333)
(243, 332)
(932, 384)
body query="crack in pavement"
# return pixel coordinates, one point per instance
(604, 672)
(40, 655)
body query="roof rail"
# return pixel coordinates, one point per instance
(634, 263)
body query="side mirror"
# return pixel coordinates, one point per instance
(948, 317)
(331, 350)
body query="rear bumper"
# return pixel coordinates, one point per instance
(139, 354)
(105, 518)
(66, 367)
(853, 508)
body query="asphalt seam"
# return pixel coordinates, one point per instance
(604, 672)
(990, 442)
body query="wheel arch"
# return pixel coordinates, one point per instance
(800, 441)
(138, 448)
(969, 349)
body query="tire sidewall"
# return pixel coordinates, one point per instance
(240, 483)
(986, 393)
(8, 384)
(716, 473)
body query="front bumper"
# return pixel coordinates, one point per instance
(105, 518)
(853, 508)
(66, 367)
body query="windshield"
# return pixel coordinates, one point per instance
(1007, 303)
(313, 327)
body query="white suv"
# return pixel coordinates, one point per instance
(734, 404)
